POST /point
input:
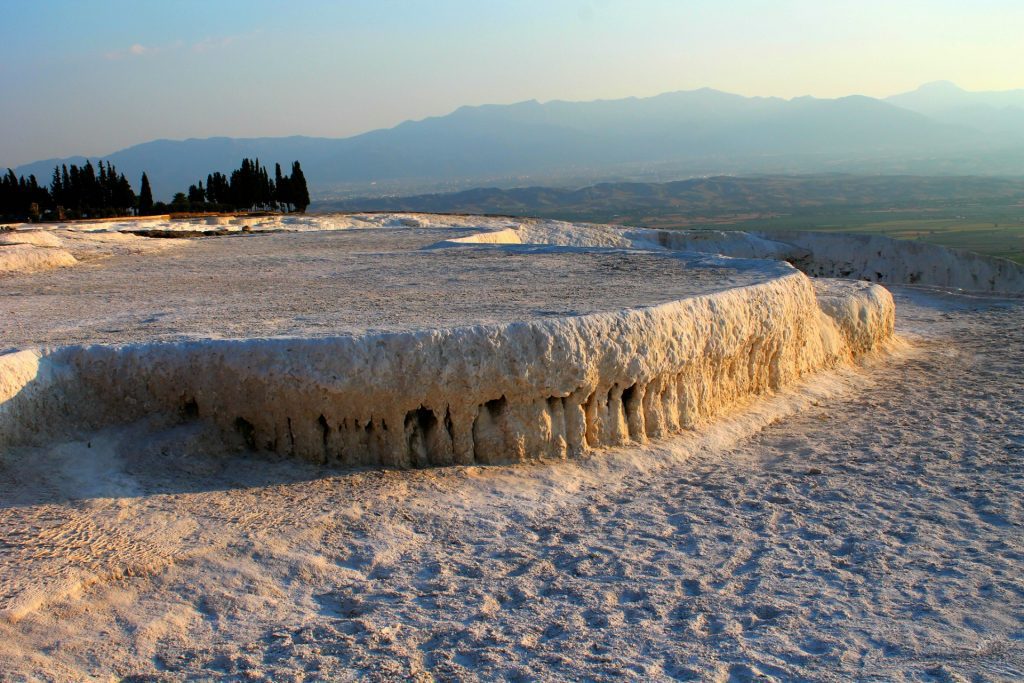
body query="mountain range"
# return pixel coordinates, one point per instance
(938, 128)
(998, 113)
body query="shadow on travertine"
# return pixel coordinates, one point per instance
(146, 458)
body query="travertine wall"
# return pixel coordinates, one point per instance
(882, 259)
(483, 394)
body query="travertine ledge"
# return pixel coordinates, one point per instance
(545, 389)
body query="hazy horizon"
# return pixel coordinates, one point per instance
(92, 78)
(214, 135)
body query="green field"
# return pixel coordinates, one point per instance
(1006, 241)
(994, 231)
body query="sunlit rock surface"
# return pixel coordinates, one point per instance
(409, 341)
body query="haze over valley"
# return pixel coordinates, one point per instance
(937, 129)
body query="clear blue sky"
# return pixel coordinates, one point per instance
(92, 77)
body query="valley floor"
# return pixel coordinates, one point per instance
(866, 526)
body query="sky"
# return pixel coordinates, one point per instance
(89, 78)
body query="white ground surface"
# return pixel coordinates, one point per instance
(871, 530)
(863, 525)
(867, 257)
(329, 283)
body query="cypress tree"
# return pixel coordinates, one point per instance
(145, 197)
(196, 194)
(297, 186)
(57, 187)
(125, 195)
(278, 185)
(65, 182)
(103, 185)
(91, 196)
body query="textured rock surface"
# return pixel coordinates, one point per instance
(863, 526)
(881, 259)
(485, 394)
(30, 258)
(874, 258)
(551, 387)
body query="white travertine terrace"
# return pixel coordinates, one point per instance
(532, 387)
(877, 258)
(874, 258)
(30, 251)
(483, 394)
(863, 257)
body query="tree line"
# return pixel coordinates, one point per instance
(74, 191)
(89, 191)
(248, 187)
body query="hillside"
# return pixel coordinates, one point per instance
(698, 197)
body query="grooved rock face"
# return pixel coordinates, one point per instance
(407, 345)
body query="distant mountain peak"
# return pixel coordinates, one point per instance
(941, 86)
